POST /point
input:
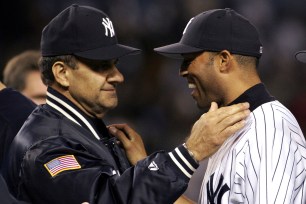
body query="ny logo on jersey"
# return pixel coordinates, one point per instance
(108, 25)
(218, 193)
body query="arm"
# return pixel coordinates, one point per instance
(159, 178)
(207, 134)
(152, 180)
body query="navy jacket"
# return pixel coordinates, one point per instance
(14, 110)
(59, 157)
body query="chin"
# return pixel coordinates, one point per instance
(112, 106)
(202, 106)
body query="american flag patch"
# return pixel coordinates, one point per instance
(62, 163)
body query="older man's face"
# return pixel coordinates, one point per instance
(93, 86)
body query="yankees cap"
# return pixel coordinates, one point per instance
(82, 31)
(216, 30)
(301, 56)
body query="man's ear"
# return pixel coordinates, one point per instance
(225, 61)
(60, 72)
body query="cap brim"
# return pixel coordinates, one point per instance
(176, 50)
(107, 53)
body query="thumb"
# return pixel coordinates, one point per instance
(213, 107)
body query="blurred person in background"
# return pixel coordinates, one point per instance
(22, 74)
(265, 162)
(14, 110)
(64, 153)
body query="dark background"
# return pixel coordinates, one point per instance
(153, 99)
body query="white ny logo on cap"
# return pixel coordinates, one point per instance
(108, 25)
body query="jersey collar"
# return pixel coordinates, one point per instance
(255, 96)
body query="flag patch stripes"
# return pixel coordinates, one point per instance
(62, 163)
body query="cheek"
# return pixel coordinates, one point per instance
(208, 84)
(82, 86)
(87, 82)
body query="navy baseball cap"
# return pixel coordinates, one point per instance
(83, 31)
(301, 56)
(216, 30)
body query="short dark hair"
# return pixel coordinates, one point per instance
(46, 63)
(242, 60)
(18, 67)
(247, 60)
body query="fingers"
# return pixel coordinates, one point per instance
(214, 127)
(125, 134)
(130, 140)
(234, 122)
(230, 130)
(227, 111)
(213, 107)
(234, 118)
(129, 132)
(120, 135)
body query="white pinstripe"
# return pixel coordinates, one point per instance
(266, 164)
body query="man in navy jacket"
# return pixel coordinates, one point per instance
(64, 153)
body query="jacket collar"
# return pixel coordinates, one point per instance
(256, 96)
(65, 107)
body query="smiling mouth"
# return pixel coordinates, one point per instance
(191, 85)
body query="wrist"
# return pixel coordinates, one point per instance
(190, 152)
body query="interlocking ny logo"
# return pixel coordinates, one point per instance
(108, 25)
(220, 191)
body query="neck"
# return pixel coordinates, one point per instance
(239, 85)
(85, 110)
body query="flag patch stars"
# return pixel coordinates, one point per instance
(62, 163)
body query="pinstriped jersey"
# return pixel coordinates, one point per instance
(262, 163)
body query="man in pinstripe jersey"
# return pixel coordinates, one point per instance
(265, 161)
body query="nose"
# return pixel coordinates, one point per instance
(115, 76)
(183, 72)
